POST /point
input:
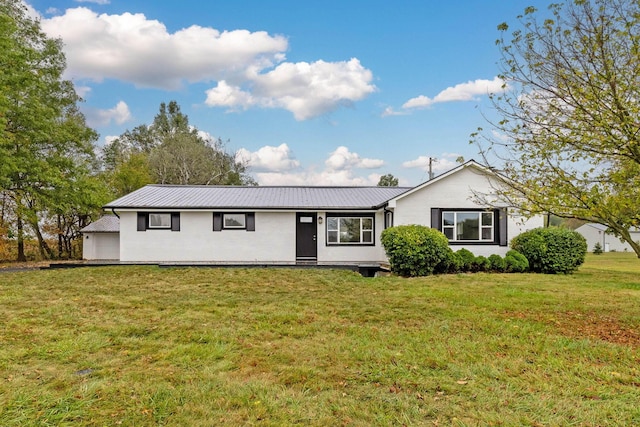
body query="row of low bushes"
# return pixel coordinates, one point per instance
(415, 250)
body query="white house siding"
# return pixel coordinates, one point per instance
(101, 246)
(456, 192)
(273, 240)
(596, 233)
(354, 254)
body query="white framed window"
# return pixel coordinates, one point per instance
(234, 220)
(349, 230)
(468, 226)
(159, 220)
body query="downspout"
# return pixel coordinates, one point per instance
(114, 212)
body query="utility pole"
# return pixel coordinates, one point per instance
(431, 159)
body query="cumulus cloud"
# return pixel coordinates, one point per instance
(443, 163)
(277, 166)
(118, 114)
(108, 139)
(391, 112)
(305, 89)
(335, 178)
(343, 159)
(461, 92)
(247, 67)
(132, 48)
(269, 158)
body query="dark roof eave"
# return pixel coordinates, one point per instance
(245, 208)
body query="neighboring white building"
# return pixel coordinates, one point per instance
(101, 239)
(307, 225)
(597, 233)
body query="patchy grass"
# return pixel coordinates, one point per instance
(149, 346)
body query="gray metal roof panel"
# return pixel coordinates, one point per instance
(106, 224)
(239, 197)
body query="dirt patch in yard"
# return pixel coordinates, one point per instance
(587, 325)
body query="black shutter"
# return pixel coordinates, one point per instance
(436, 218)
(175, 221)
(143, 219)
(251, 221)
(502, 226)
(217, 221)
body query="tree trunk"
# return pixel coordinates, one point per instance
(45, 250)
(59, 236)
(21, 256)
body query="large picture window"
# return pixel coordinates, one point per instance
(472, 226)
(349, 230)
(468, 226)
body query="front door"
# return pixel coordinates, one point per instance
(306, 236)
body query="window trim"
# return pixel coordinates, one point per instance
(370, 216)
(249, 221)
(151, 226)
(499, 226)
(144, 222)
(243, 226)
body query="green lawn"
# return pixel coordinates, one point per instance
(138, 346)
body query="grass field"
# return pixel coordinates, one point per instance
(137, 346)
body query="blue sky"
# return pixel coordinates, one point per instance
(328, 92)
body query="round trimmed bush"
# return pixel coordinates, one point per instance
(480, 264)
(551, 250)
(416, 250)
(515, 262)
(467, 258)
(497, 263)
(455, 263)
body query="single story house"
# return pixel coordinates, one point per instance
(288, 225)
(597, 233)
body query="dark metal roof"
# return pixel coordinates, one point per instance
(106, 224)
(238, 197)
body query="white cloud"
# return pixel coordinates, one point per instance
(391, 112)
(101, 2)
(82, 91)
(277, 166)
(443, 163)
(108, 139)
(135, 49)
(334, 178)
(461, 92)
(118, 114)
(342, 159)
(269, 158)
(52, 11)
(306, 89)
(247, 67)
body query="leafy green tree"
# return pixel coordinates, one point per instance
(170, 151)
(568, 137)
(45, 146)
(388, 180)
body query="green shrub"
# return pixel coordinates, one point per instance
(597, 249)
(480, 264)
(551, 250)
(497, 263)
(416, 250)
(467, 258)
(515, 262)
(455, 263)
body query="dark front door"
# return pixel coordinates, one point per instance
(306, 236)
